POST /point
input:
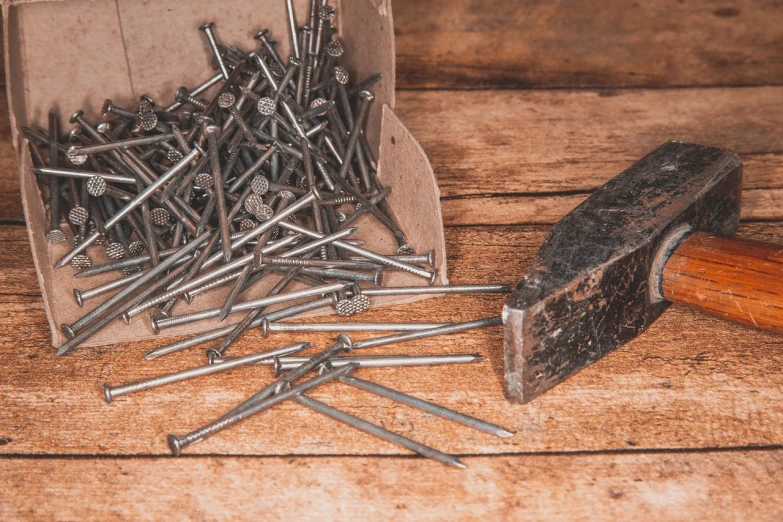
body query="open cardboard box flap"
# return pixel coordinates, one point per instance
(72, 54)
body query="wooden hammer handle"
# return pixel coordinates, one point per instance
(736, 279)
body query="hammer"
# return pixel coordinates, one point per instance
(653, 235)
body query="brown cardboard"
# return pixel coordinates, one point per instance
(124, 48)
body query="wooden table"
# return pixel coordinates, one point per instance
(524, 108)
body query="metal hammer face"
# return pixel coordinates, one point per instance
(594, 285)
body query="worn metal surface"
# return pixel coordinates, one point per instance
(587, 291)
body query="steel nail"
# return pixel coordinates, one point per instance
(111, 393)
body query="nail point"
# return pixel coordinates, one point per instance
(458, 464)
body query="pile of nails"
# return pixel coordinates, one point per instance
(263, 180)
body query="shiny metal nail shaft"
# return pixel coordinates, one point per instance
(429, 276)
(83, 174)
(136, 285)
(213, 134)
(93, 328)
(281, 364)
(122, 263)
(268, 327)
(84, 295)
(377, 431)
(207, 28)
(161, 380)
(289, 9)
(249, 305)
(437, 289)
(220, 332)
(120, 144)
(426, 406)
(198, 90)
(443, 330)
(177, 443)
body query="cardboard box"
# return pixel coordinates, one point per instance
(73, 54)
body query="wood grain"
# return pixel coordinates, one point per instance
(517, 143)
(461, 44)
(735, 279)
(662, 428)
(538, 154)
(448, 44)
(736, 485)
(757, 205)
(689, 369)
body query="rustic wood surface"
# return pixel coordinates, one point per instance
(685, 422)
(595, 487)
(490, 44)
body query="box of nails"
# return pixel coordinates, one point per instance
(183, 163)
(207, 168)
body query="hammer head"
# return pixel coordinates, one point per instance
(594, 284)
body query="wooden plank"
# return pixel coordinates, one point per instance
(454, 44)
(447, 44)
(538, 154)
(741, 485)
(691, 381)
(757, 205)
(543, 143)
(530, 157)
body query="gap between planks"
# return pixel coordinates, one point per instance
(713, 486)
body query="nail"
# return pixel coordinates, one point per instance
(430, 276)
(123, 263)
(291, 16)
(281, 364)
(112, 392)
(442, 330)
(54, 234)
(84, 295)
(198, 90)
(227, 101)
(437, 289)
(82, 174)
(426, 406)
(213, 134)
(248, 305)
(183, 96)
(207, 28)
(268, 45)
(428, 258)
(217, 333)
(119, 144)
(268, 327)
(284, 363)
(377, 431)
(177, 443)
